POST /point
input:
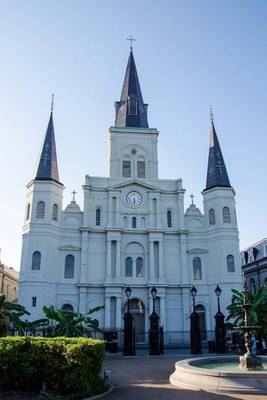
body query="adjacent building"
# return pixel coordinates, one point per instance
(254, 265)
(133, 230)
(9, 282)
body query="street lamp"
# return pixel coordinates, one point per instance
(153, 294)
(128, 292)
(195, 332)
(154, 348)
(219, 325)
(129, 349)
(218, 292)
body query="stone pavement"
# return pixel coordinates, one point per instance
(147, 378)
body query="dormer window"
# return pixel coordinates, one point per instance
(132, 105)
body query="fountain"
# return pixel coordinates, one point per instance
(244, 374)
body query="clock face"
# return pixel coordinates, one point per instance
(134, 199)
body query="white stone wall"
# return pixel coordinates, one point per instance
(96, 279)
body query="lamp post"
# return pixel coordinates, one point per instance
(195, 333)
(129, 349)
(154, 348)
(219, 325)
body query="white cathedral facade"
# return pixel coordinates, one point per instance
(133, 231)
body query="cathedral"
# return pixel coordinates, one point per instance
(133, 231)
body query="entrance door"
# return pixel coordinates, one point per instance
(137, 309)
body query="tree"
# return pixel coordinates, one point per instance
(258, 311)
(68, 323)
(10, 317)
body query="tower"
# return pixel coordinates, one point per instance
(132, 145)
(41, 229)
(221, 223)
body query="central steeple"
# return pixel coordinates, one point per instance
(130, 110)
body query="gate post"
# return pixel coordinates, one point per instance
(129, 340)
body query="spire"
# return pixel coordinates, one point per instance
(217, 173)
(131, 110)
(47, 168)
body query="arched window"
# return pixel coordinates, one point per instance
(67, 307)
(169, 219)
(252, 286)
(98, 217)
(139, 267)
(28, 209)
(129, 267)
(55, 212)
(40, 210)
(226, 215)
(230, 263)
(132, 105)
(197, 269)
(69, 266)
(125, 222)
(36, 261)
(212, 216)
(134, 222)
(200, 309)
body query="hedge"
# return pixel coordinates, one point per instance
(66, 365)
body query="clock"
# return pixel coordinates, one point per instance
(134, 199)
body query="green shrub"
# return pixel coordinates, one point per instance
(66, 365)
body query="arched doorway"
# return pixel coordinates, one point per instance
(137, 309)
(200, 309)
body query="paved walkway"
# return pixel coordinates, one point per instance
(147, 378)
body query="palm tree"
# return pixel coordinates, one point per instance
(69, 323)
(258, 311)
(10, 317)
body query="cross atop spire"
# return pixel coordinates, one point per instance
(192, 199)
(131, 39)
(131, 110)
(217, 173)
(52, 103)
(211, 115)
(47, 168)
(73, 196)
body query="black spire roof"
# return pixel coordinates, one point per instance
(217, 173)
(131, 110)
(47, 168)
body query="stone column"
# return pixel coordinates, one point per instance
(151, 261)
(108, 261)
(161, 262)
(163, 311)
(84, 256)
(118, 312)
(183, 248)
(107, 311)
(186, 314)
(82, 300)
(118, 260)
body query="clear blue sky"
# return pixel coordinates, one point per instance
(189, 54)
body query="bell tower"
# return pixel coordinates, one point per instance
(132, 145)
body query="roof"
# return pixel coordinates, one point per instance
(47, 168)
(217, 173)
(131, 91)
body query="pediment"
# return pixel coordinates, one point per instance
(197, 250)
(134, 183)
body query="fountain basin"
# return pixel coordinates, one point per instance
(219, 374)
